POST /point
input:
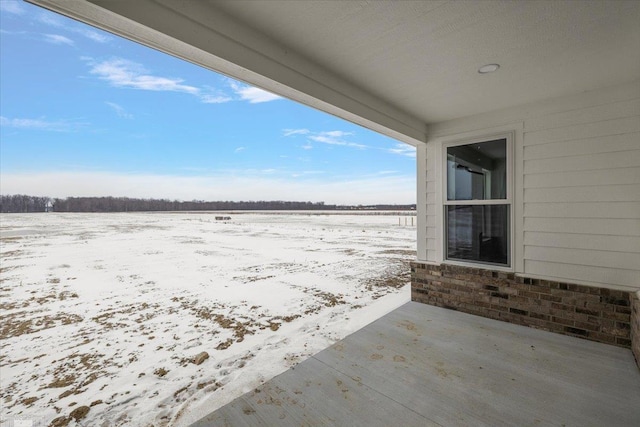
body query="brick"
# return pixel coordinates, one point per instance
(553, 298)
(602, 337)
(540, 316)
(598, 314)
(615, 300)
(587, 326)
(565, 314)
(561, 293)
(517, 301)
(584, 298)
(555, 327)
(623, 325)
(623, 309)
(616, 316)
(578, 317)
(624, 342)
(624, 333)
(529, 294)
(607, 323)
(562, 321)
(587, 311)
(576, 331)
(500, 295)
(483, 304)
(563, 307)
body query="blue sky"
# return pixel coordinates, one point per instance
(84, 112)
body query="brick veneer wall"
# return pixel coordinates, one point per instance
(635, 326)
(593, 313)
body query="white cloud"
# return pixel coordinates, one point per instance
(239, 149)
(119, 110)
(50, 19)
(331, 137)
(120, 72)
(3, 31)
(215, 99)
(38, 124)
(58, 39)
(13, 7)
(93, 35)
(291, 132)
(252, 94)
(238, 185)
(335, 137)
(336, 133)
(53, 21)
(403, 150)
(123, 73)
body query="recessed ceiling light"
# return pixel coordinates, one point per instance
(489, 68)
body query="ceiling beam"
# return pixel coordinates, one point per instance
(199, 33)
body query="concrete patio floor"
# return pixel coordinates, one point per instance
(427, 366)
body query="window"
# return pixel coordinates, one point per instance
(477, 205)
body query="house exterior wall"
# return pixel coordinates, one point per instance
(576, 186)
(575, 222)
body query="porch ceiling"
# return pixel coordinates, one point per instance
(392, 66)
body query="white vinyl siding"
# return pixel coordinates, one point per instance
(433, 233)
(582, 194)
(577, 174)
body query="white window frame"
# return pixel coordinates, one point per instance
(509, 200)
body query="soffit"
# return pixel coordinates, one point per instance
(422, 57)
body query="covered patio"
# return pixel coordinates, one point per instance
(548, 237)
(428, 366)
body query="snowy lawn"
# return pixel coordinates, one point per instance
(103, 315)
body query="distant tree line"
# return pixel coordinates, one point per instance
(125, 204)
(23, 203)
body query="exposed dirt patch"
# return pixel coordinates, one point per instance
(6, 269)
(394, 277)
(16, 324)
(161, 372)
(79, 413)
(11, 254)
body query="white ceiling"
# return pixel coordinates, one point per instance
(423, 56)
(394, 66)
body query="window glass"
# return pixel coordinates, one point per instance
(478, 233)
(477, 171)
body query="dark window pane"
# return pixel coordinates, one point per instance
(477, 171)
(478, 233)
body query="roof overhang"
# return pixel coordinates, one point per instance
(394, 67)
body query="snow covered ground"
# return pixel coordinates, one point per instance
(102, 315)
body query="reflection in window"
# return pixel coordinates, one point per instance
(477, 171)
(478, 233)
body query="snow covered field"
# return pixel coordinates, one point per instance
(103, 315)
